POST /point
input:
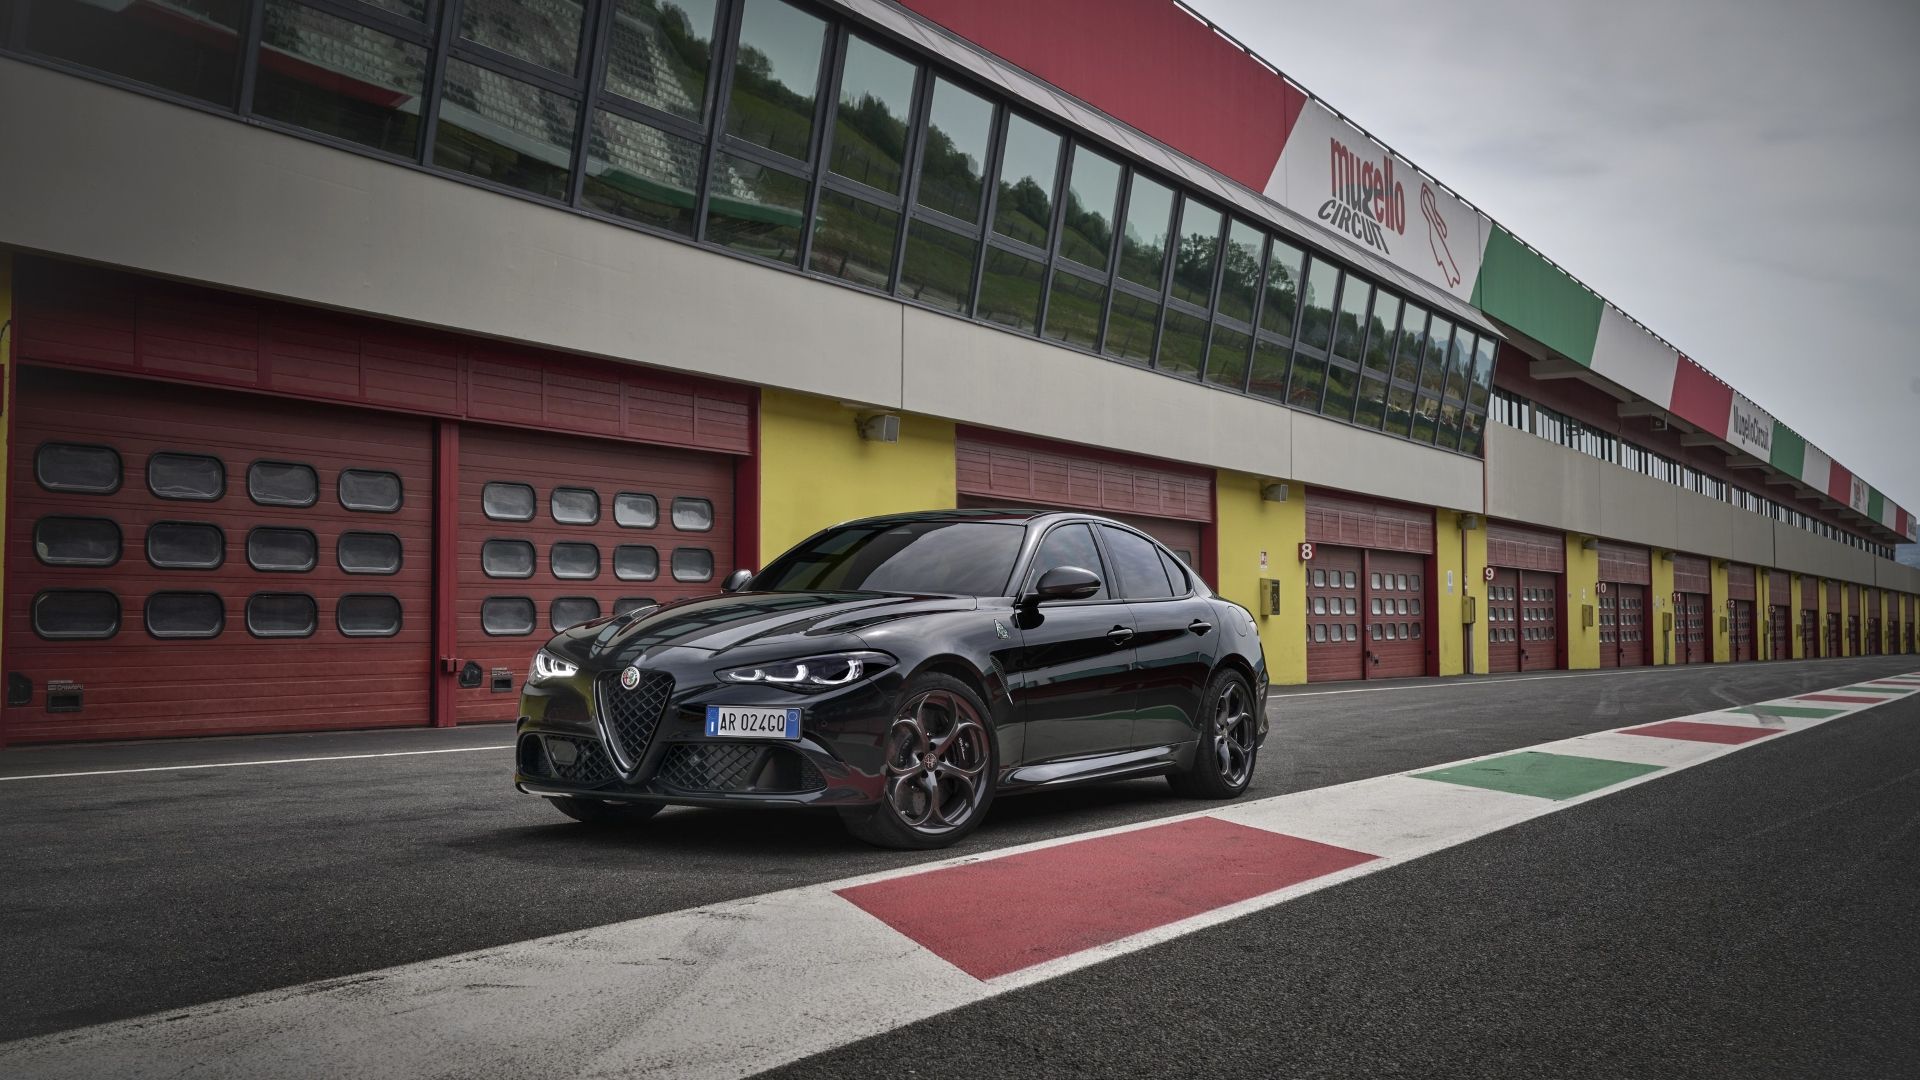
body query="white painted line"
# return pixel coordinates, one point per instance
(732, 989)
(242, 764)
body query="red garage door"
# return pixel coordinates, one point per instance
(1853, 619)
(1529, 565)
(1623, 625)
(1626, 573)
(1692, 630)
(192, 562)
(1171, 503)
(1779, 615)
(1871, 646)
(1373, 561)
(1809, 617)
(1334, 604)
(555, 531)
(1742, 627)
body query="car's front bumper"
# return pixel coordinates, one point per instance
(568, 746)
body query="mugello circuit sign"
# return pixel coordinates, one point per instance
(1335, 176)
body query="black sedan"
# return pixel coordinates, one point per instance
(905, 670)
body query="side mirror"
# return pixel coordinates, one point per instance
(736, 581)
(1065, 583)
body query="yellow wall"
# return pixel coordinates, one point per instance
(1661, 634)
(1583, 574)
(816, 470)
(1468, 579)
(1247, 525)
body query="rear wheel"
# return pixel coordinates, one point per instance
(1223, 762)
(599, 812)
(939, 769)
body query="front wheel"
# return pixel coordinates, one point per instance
(600, 812)
(939, 769)
(1223, 762)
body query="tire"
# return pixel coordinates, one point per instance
(943, 733)
(1223, 762)
(599, 812)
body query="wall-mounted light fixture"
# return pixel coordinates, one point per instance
(1469, 522)
(1273, 492)
(1591, 543)
(879, 427)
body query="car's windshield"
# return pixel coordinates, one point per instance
(965, 558)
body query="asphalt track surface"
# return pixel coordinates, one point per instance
(1752, 916)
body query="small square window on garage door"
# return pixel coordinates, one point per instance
(76, 541)
(186, 614)
(186, 476)
(507, 558)
(282, 483)
(368, 615)
(77, 469)
(692, 564)
(576, 506)
(282, 550)
(282, 615)
(76, 614)
(692, 515)
(571, 561)
(370, 491)
(368, 553)
(570, 611)
(186, 545)
(507, 616)
(502, 501)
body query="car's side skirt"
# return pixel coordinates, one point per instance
(1115, 766)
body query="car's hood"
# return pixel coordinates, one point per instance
(752, 620)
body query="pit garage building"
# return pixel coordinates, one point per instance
(352, 347)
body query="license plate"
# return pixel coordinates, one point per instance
(747, 722)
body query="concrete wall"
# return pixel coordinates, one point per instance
(176, 192)
(1532, 480)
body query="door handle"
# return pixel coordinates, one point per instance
(1120, 635)
(1200, 626)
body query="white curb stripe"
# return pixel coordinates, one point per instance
(238, 764)
(735, 988)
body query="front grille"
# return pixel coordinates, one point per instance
(632, 716)
(563, 757)
(741, 767)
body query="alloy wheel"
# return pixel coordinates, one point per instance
(937, 761)
(1233, 733)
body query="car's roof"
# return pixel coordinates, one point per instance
(1011, 514)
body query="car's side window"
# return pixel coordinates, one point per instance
(1136, 563)
(1176, 574)
(1071, 545)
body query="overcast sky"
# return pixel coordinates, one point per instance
(1743, 176)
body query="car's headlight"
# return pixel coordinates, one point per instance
(547, 666)
(812, 673)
